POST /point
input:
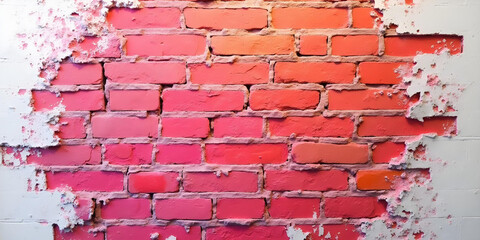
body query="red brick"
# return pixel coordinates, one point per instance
(165, 45)
(331, 231)
(129, 232)
(252, 44)
(91, 181)
(147, 100)
(77, 233)
(179, 154)
(146, 72)
(376, 179)
(308, 152)
(384, 152)
(381, 72)
(229, 73)
(314, 72)
(210, 182)
(401, 126)
(238, 127)
(202, 100)
(313, 45)
(78, 74)
(126, 18)
(191, 209)
(368, 99)
(247, 233)
(294, 208)
(90, 47)
(362, 17)
(128, 208)
(71, 127)
(246, 153)
(413, 44)
(153, 182)
(128, 154)
(105, 126)
(73, 101)
(353, 207)
(185, 127)
(67, 155)
(309, 18)
(311, 126)
(284, 99)
(284, 180)
(218, 19)
(240, 208)
(355, 45)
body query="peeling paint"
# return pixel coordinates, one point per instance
(296, 233)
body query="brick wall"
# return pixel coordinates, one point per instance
(233, 120)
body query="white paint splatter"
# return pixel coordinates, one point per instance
(296, 233)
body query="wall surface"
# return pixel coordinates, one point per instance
(239, 119)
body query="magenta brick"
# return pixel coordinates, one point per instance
(92, 181)
(192, 209)
(129, 208)
(128, 154)
(179, 154)
(240, 208)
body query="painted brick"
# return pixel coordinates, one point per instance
(311, 126)
(364, 17)
(71, 127)
(191, 209)
(314, 72)
(413, 44)
(285, 180)
(91, 181)
(128, 232)
(284, 99)
(106, 126)
(178, 154)
(247, 233)
(353, 207)
(376, 179)
(355, 45)
(128, 154)
(146, 72)
(229, 73)
(67, 155)
(202, 100)
(384, 152)
(309, 18)
(88, 48)
(294, 208)
(165, 45)
(369, 99)
(313, 45)
(246, 153)
(401, 126)
(241, 18)
(240, 208)
(126, 18)
(308, 152)
(78, 74)
(73, 101)
(381, 72)
(147, 100)
(78, 232)
(84, 209)
(210, 182)
(185, 127)
(129, 208)
(153, 182)
(238, 127)
(331, 231)
(252, 44)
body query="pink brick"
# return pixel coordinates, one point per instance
(74, 101)
(125, 18)
(146, 72)
(128, 154)
(202, 100)
(185, 127)
(147, 100)
(67, 155)
(153, 182)
(294, 207)
(311, 126)
(71, 127)
(78, 74)
(353, 207)
(240, 208)
(77, 233)
(129, 208)
(129, 232)
(246, 153)
(92, 181)
(210, 182)
(331, 231)
(165, 45)
(247, 233)
(105, 126)
(179, 154)
(286, 180)
(84, 209)
(238, 127)
(229, 73)
(89, 47)
(192, 209)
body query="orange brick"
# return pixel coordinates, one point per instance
(298, 18)
(376, 179)
(252, 45)
(355, 45)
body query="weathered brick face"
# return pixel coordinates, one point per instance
(263, 114)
